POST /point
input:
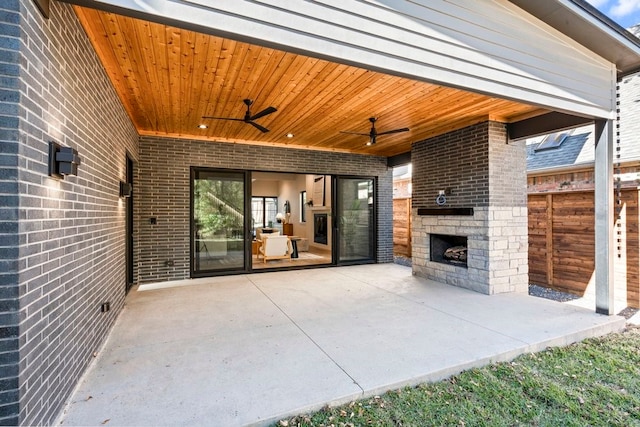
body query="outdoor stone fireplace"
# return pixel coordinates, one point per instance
(482, 178)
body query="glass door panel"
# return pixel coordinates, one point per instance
(356, 225)
(218, 221)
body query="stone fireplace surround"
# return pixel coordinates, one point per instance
(497, 258)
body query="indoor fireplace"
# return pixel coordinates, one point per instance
(320, 228)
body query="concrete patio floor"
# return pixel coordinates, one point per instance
(252, 349)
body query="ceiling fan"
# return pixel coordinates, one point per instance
(373, 134)
(248, 118)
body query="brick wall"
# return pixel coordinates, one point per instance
(507, 168)
(456, 161)
(9, 210)
(71, 232)
(163, 192)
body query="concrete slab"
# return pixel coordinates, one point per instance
(251, 349)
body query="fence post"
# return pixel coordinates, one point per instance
(549, 239)
(409, 213)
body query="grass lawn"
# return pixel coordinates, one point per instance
(592, 383)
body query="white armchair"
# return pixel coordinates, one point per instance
(275, 247)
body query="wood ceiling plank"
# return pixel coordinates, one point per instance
(140, 55)
(168, 78)
(227, 103)
(356, 117)
(194, 84)
(299, 100)
(95, 29)
(174, 78)
(202, 82)
(320, 111)
(302, 106)
(211, 104)
(282, 91)
(352, 107)
(124, 74)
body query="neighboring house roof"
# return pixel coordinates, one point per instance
(402, 172)
(576, 149)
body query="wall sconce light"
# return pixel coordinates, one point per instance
(62, 160)
(125, 189)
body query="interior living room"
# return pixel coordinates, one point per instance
(290, 220)
(259, 220)
(250, 220)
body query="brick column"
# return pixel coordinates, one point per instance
(479, 170)
(507, 215)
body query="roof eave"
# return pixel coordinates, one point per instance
(585, 24)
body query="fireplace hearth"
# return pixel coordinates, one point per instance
(448, 249)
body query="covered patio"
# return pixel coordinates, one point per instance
(251, 349)
(147, 99)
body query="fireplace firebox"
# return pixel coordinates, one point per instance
(448, 249)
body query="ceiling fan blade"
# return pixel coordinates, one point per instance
(263, 113)
(354, 133)
(393, 131)
(223, 118)
(261, 128)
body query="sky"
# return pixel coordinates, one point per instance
(624, 12)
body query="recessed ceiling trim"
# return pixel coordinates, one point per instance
(252, 142)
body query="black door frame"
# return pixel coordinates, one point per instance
(129, 240)
(193, 273)
(335, 246)
(248, 268)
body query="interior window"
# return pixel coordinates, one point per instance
(303, 203)
(263, 212)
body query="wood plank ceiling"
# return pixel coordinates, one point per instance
(168, 78)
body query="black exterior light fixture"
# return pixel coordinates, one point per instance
(62, 160)
(125, 189)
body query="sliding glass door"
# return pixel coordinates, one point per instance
(355, 212)
(218, 205)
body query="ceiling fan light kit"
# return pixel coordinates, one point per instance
(248, 117)
(373, 134)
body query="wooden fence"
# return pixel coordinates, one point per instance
(562, 242)
(402, 227)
